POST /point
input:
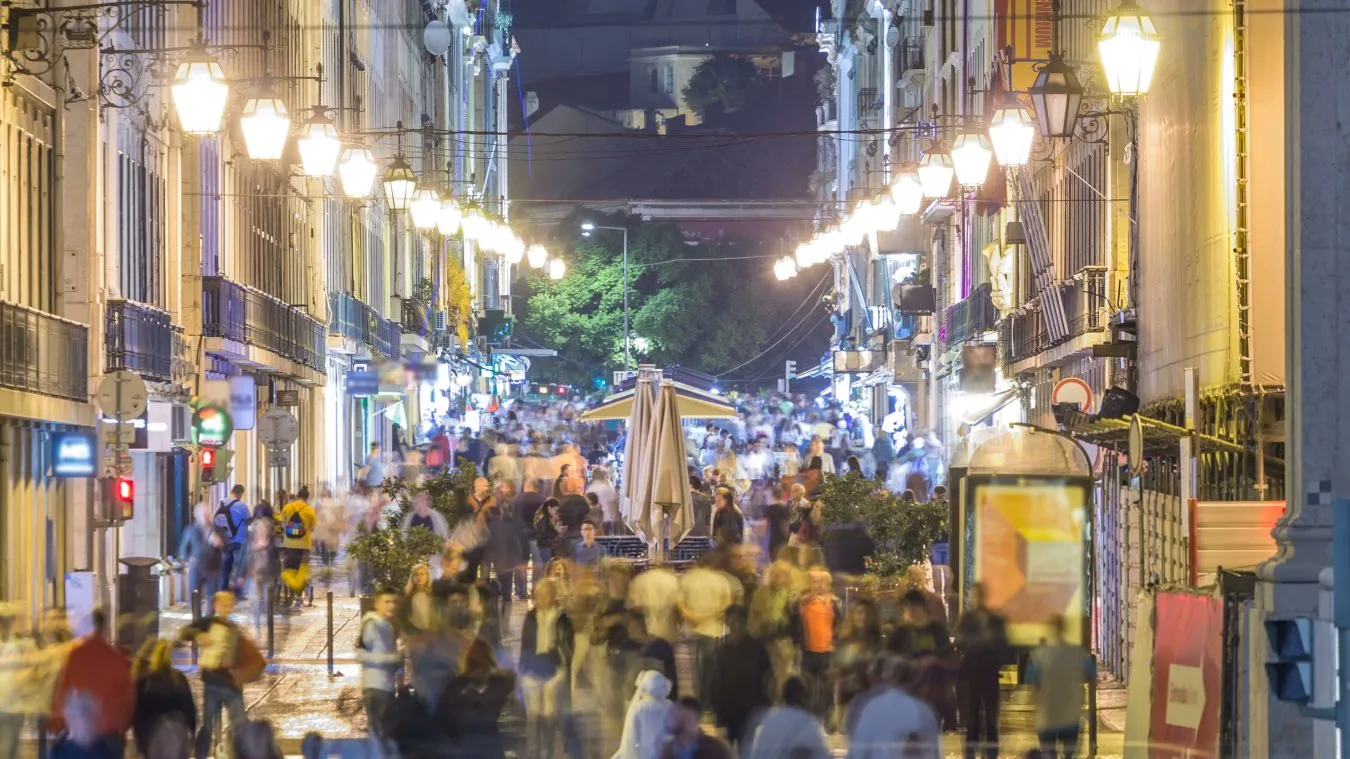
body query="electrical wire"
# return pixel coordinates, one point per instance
(810, 298)
(787, 352)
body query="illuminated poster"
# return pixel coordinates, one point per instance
(1030, 554)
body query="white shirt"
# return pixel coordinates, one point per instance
(706, 594)
(609, 499)
(653, 593)
(889, 721)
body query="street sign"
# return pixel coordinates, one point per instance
(119, 433)
(1072, 390)
(288, 398)
(362, 382)
(74, 454)
(211, 425)
(123, 395)
(243, 402)
(278, 428)
(278, 458)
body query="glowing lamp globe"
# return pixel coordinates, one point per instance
(266, 126)
(971, 156)
(907, 192)
(1012, 132)
(935, 174)
(1129, 46)
(425, 208)
(356, 172)
(199, 93)
(447, 219)
(400, 184)
(537, 256)
(557, 269)
(319, 147)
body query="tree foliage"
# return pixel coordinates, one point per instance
(722, 80)
(703, 315)
(904, 533)
(389, 555)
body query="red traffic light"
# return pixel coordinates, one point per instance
(124, 490)
(208, 457)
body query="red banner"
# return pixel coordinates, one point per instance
(1187, 677)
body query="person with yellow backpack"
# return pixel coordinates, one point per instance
(297, 539)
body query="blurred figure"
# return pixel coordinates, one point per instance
(504, 467)
(587, 553)
(169, 739)
(860, 642)
(471, 708)
(419, 608)
(255, 739)
(377, 650)
(982, 638)
(203, 549)
(297, 530)
(422, 515)
(704, 597)
(728, 526)
(524, 509)
(608, 498)
(503, 556)
(1058, 670)
(687, 739)
(162, 695)
(17, 659)
(222, 649)
(331, 520)
(894, 723)
(771, 620)
(262, 562)
(653, 594)
(739, 683)
(94, 695)
(230, 522)
(546, 647)
(644, 726)
(790, 730)
(817, 616)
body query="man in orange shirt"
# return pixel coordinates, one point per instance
(103, 674)
(818, 614)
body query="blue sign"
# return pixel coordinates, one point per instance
(363, 383)
(74, 454)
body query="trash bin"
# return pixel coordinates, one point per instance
(137, 601)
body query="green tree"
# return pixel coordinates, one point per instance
(904, 533)
(702, 314)
(725, 80)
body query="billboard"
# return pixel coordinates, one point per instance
(1027, 539)
(1187, 675)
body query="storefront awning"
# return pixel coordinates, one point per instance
(693, 404)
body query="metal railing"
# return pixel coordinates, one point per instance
(971, 316)
(138, 338)
(909, 55)
(1024, 335)
(353, 318)
(44, 354)
(416, 318)
(233, 311)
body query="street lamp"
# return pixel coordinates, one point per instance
(476, 226)
(399, 184)
(1012, 132)
(319, 146)
(199, 93)
(908, 192)
(356, 171)
(885, 217)
(447, 218)
(1056, 95)
(425, 208)
(1128, 46)
(557, 270)
(970, 157)
(537, 256)
(785, 268)
(515, 251)
(587, 227)
(935, 173)
(266, 125)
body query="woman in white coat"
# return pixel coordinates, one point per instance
(644, 729)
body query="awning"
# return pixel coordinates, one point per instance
(693, 404)
(1160, 438)
(1000, 401)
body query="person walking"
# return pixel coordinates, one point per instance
(162, 694)
(739, 684)
(981, 637)
(817, 616)
(422, 515)
(97, 683)
(262, 562)
(687, 739)
(644, 725)
(1059, 670)
(377, 651)
(228, 661)
(894, 723)
(203, 549)
(728, 527)
(297, 531)
(230, 522)
(608, 498)
(546, 648)
(704, 597)
(524, 508)
(503, 554)
(471, 708)
(790, 729)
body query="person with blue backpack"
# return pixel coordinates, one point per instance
(297, 539)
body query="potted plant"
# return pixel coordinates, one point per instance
(899, 535)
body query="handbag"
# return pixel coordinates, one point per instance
(249, 663)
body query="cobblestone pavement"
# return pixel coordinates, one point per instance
(298, 695)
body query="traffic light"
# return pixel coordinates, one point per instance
(208, 460)
(1290, 664)
(119, 499)
(223, 469)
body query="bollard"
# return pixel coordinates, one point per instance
(42, 738)
(271, 622)
(196, 617)
(330, 633)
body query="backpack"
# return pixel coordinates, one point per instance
(225, 527)
(295, 526)
(361, 637)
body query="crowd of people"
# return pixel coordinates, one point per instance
(785, 654)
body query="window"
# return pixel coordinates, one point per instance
(670, 80)
(651, 79)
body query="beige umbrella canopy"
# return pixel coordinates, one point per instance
(635, 504)
(669, 482)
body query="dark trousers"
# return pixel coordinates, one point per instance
(228, 556)
(816, 673)
(704, 650)
(1060, 742)
(979, 710)
(378, 705)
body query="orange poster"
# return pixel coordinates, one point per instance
(1025, 30)
(1030, 554)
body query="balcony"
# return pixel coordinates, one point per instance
(352, 318)
(416, 318)
(139, 339)
(909, 56)
(1023, 336)
(43, 354)
(971, 317)
(244, 315)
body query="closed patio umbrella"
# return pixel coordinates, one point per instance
(636, 506)
(669, 481)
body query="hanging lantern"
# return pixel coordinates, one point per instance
(1012, 132)
(266, 126)
(319, 146)
(935, 173)
(1056, 95)
(356, 171)
(399, 184)
(971, 156)
(199, 93)
(425, 208)
(476, 226)
(447, 218)
(557, 269)
(1129, 46)
(537, 256)
(515, 251)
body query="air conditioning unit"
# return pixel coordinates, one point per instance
(857, 362)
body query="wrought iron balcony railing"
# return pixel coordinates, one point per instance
(972, 316)
(352, 318)
(43, 354)
(233, 311)
(1024, 335)
(138, 338)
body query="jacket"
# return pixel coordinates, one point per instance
(707, 747)
(307, 517)
(787, 731)
(644, 726)
(893, 721)
(100, 670)
(378, 653)
(559, 657)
